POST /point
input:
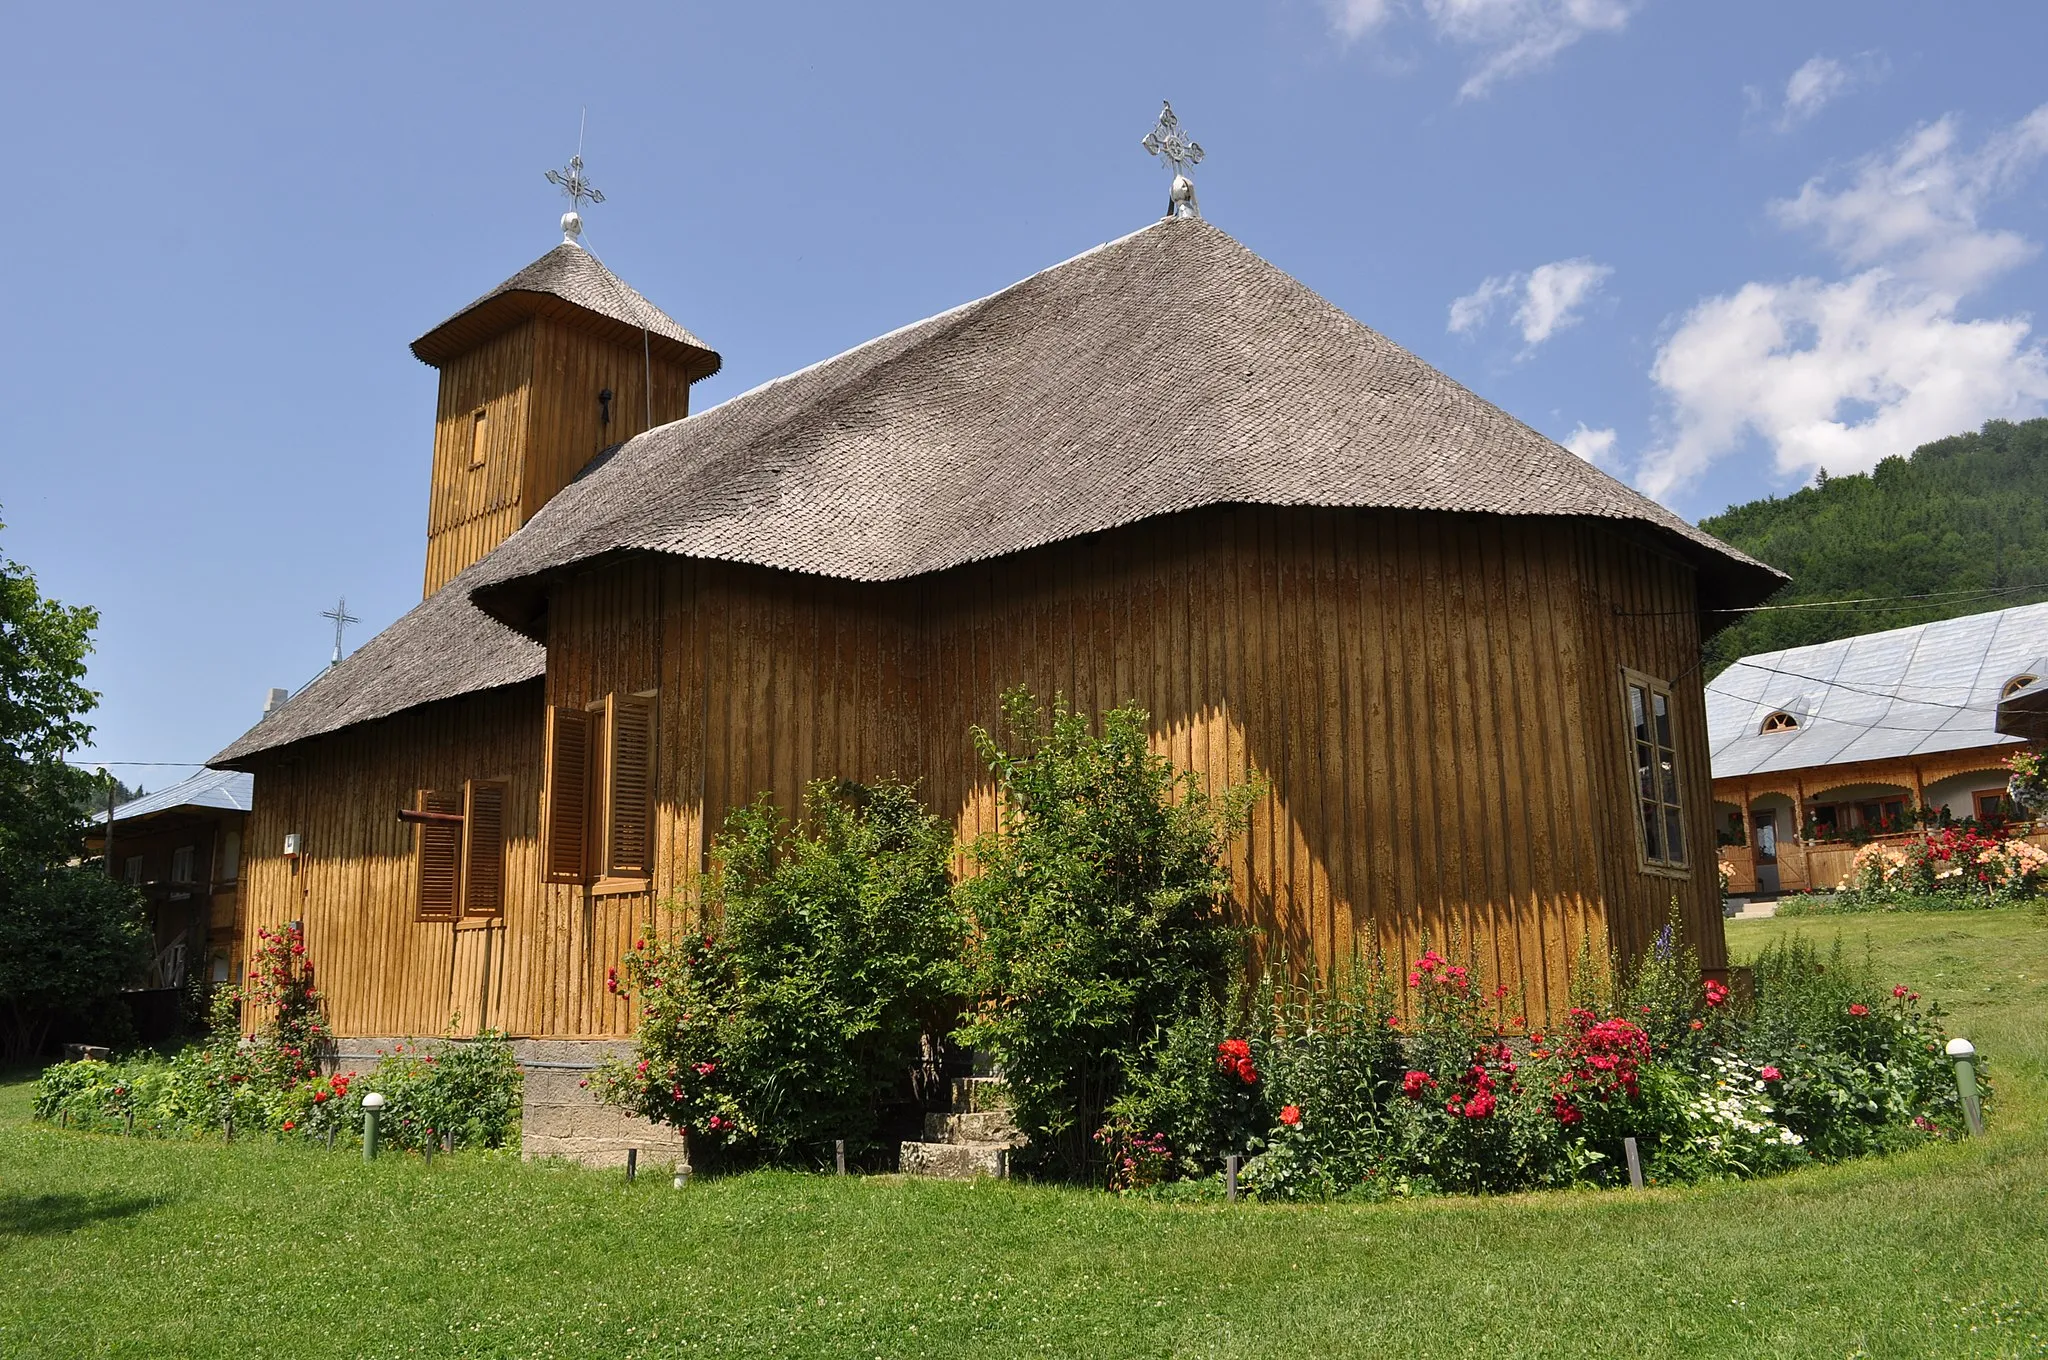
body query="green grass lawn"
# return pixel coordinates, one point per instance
(117, 1248)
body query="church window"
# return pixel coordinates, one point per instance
(459, 854)
(1658, 792)
(598, 827)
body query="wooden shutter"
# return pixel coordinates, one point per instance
(437, 856)
(629, 786)
(483, 847)
(566, 811)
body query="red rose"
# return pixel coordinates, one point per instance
(1246, 1072)
(1859, 1009)
(1290, 1115)
(1480, 1106)
(289, 1125)
(1771, 1074)
(1699, 1024)
(1899, 990)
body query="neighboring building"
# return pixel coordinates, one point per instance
(1164, 472)
(182, 846)
(1818, 747)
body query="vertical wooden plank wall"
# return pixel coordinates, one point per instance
(538, 386)
(385, 973)
(1396, 679)
(1640, 613)
(1433, 701)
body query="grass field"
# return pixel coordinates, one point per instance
(116, 1248)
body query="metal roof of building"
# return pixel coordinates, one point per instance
(1910, 691)
(223, 790)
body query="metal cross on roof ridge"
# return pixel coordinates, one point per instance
(1174, 146)
(342, 619)
(1168, 141)
(570, 179)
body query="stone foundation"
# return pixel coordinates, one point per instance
(559, 1116)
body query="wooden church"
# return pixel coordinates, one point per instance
(1163, 472)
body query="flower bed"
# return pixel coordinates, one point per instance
(460, 1093)
(1330, 1091)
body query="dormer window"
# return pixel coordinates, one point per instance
(1781, 721)
(2016, 684)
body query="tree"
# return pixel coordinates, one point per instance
(1099, 914)
(1959, 526)
(43, 703)
(69, 937)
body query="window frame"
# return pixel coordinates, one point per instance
(601, 797)
(1661, 866)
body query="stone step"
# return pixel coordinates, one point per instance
(954, 1161)
(974, 1095)
(980, 1126)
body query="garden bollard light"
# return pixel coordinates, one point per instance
(1965, 1054)
(1230, 1177)
(372, 1105)
(632, 1164)
(1635, 1163)
(839, 1154)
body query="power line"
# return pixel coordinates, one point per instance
(1857, 605)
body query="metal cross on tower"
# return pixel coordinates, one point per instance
(574, 186)
(1176, 149)
(342, 619)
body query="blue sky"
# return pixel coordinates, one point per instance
(1712, 247)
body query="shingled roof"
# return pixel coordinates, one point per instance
(1164, 371)
(443, 647)
(570, 285)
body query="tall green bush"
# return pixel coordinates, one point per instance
(1098, 908)
(828, 951)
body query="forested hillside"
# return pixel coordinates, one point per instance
(1967, 513)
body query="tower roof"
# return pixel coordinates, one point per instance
(568, 284)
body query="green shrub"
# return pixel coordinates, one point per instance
(464, 1093)
(1863, 1064)
(829, 954)
(1099, 914)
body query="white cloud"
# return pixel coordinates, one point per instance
(1551, 297)
(1353, 19)
(1842, 373)
(1554, 294)
(1469, 313)
(1820, 81)
(1595, 446)
(1508, 37)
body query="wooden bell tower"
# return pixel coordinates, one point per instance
(539, 376)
